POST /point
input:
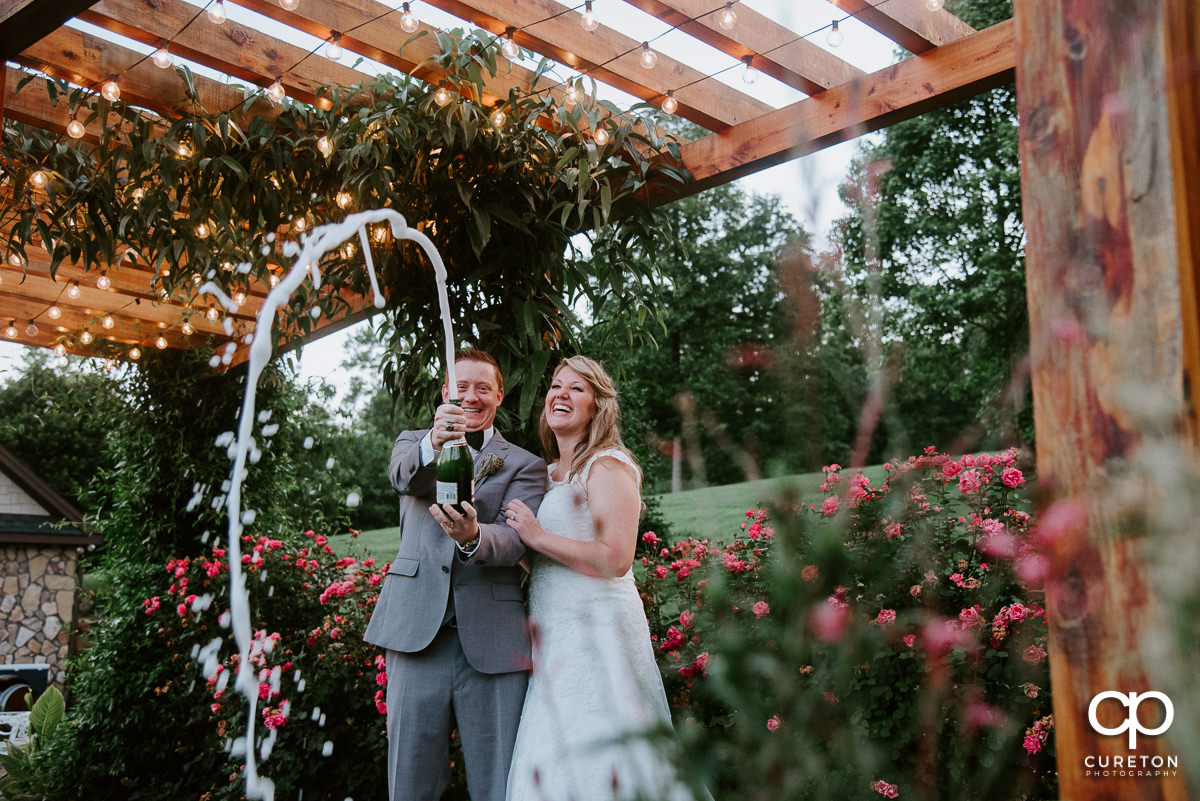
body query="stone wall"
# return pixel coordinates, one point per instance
(37, 605)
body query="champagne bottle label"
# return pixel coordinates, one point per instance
(447, 492)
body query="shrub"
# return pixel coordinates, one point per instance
(878, 643)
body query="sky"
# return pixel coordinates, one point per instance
(807, 185)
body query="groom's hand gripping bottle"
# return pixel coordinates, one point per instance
(456, 473)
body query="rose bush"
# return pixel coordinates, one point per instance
(884, 640)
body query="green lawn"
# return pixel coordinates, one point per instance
(713, 512)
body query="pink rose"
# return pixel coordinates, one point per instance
(830, 505)
(650, 538)
(760, 609)
(886, 790)
(660, 571)
(886, 616)
(951, 469)
(1033, 654)
(1012, 477)
(893, 531)
(969, 617)
(686, 618)
(1032, 744)
(830, 621)
(968, 482)
(809, 572)
(910, 640)
(774, 723)
(1017, 611)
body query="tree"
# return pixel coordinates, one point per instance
(935, 243)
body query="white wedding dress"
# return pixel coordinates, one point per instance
(595, 686)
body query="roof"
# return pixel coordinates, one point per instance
(63, 525)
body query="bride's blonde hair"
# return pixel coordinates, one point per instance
(604, 429)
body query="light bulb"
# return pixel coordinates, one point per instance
(103, 282)
(333, 50)
(202, 230)
(570, 96)
(239, 298)
(727, 19)
(408, 20)
(38, 179)
(212, 313)
(276, 91)
(31, 330)
(138, 194)
(670, 104)
(60, 350)
(135, 354)
(649, 58)
(441, 96)
(835, 37)
(216, 12)
(10, 331)
(343, 199)
(73, 290)
(187, 329)
(601, 137)
(290, 5)
(300, 223)
(86, 337)
(108, 321)
(161, 343)
(75, 129)
(274, 280)
(325, 146)
(934, 5)
(749, 74)
(510, 49)
(161, 58)
(110, 91)
(15, 260)
(498, 117)
(54, 312)
(588, 20)
(183, 151)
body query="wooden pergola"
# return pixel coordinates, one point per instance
(1109, 98)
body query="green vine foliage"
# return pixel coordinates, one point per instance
(212, 195)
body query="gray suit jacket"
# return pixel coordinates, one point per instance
(487, 585)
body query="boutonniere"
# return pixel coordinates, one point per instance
(489, 464)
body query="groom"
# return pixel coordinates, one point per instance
(450, 613)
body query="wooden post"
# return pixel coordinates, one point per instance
(1107, 351)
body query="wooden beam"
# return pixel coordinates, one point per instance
(127, 329)
(776, 51)
(908, 23)
(87, 60)
(914, 86)
(1182, 39)
(236, 50)
(33, 21)
(547, 29)
(1103, 290)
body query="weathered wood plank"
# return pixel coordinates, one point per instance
(1104, 309)
(33, 20)
(908, 23)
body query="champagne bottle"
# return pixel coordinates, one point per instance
(456, 474)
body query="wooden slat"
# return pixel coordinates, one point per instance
(127, 328)
(88, 61)
(705, 101)
(1182, 31)
(908, 23)
(914, 86)
(776, 51)
(1104, 317)
(34, 20)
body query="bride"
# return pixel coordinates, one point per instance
(595, 688)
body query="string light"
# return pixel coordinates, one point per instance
(212, 314)
(138, 194)
(202, 230)
(38, 179)
(333, 50)
(571, 95)
(187, 329)
(290, 5)
(325, 146)
(60, 350)
(670, 104)
(54, 312)
(276, 91)
(749, 75)
(10, 330)
(441, 96)
(934, 5)
(15, 260)
(162, 57)
(183, 151)
(216, 12)
(274, 280)
(103, 282)
(343, 199)
(75, 129)
(110, 91)
(135, 354)
(648, 58)
(86, 337)
(727, 19)
(239, 298)
(601, 136)
(108, 321)
(73, 290)
(835, 37)
(31, 330)
(588, 20)
(408, 20)
(300, 223)
(509, 48)
(498, 117)
(348, 250)
(161, 342)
